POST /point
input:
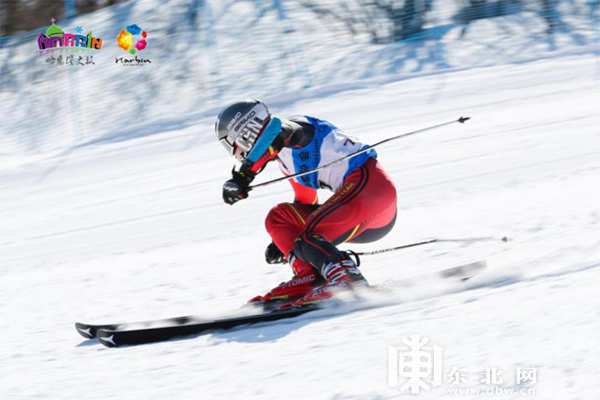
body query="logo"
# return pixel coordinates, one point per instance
(422, 366)
(109, 339)
(126, 38)
(492, 376)
(526, 375)
(418, 367)
(244, 121)
(125, 41)
(237, 116)
(300, 281)
(87, 332)
(55, 38)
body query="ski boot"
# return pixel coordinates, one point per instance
(341, 275)
(304, 281)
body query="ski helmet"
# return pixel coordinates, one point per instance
(240, 124)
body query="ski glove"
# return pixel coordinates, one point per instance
(237, 187)
(273, 255)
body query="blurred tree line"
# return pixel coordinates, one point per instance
(19, 16)
(409, 17)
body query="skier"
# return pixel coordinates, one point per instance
(305, 233)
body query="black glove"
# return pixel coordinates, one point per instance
(273, 255)
(237, 187)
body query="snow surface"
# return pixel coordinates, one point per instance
(136, 229)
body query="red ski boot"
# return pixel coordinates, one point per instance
(305, 279)
(341, 275)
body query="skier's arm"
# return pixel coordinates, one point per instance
(274, 138)
(291, 134)
(269, 144)
(278, 134)
(266, 149)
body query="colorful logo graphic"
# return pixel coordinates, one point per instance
(57, 38)
(127, 36)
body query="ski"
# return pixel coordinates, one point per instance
(117, 338)
(124, 334)
(90, 331)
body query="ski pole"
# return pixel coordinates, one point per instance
(406, 246)
(461, 120)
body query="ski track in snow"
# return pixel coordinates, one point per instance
(136, 230)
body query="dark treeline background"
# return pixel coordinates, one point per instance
(408, 17)
(20, 16)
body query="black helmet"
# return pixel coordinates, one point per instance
(240, 124)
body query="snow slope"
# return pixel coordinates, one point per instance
(136, 229)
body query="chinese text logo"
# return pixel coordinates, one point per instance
(420, 365)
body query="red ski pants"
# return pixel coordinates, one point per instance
(362, 210)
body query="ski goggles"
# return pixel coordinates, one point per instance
(229, 146)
